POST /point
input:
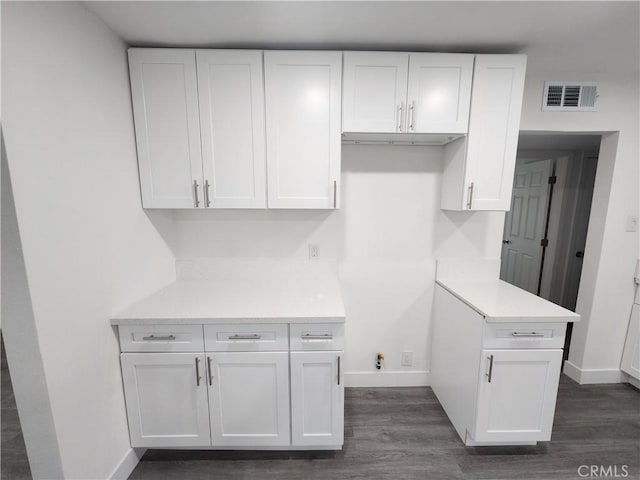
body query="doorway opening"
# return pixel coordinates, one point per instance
(546, 229)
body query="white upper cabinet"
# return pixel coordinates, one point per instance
(165, 104)
(231, 99)
(390, 92)
(439, 92)
(478, 171)
(303, 105)
(375, 91)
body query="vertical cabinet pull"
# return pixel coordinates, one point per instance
(198, 377)
(210, 371)
(207, 201)
(338, 369)
(490, 374)
(400, 116)
(469, 196)
(335, 193)
(411, 111)
(195, 193)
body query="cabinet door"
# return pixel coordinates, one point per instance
(303, 101)
(249, 398)
(317, 399)
(496, 103)
(164, 92)
(517, 392)
(375, 91)
(439, 92)
(166, 396)
(631, 354)
(231, 98)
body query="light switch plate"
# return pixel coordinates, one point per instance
(632, 223)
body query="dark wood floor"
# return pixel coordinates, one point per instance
(13, 456)
(403, 434)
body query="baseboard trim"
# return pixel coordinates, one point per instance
(420, 378)
(586, 376)
(127, 464)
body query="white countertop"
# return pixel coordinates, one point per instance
(295, 297)
(500, 301)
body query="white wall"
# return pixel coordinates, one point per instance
(385, 239)
(89, 249)
(606, 291)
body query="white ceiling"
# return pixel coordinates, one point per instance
(594, 36)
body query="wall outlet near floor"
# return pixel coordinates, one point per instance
(632, 224)
(314, 250)
(407, 358)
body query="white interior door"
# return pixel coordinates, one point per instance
(231, 97)
(631, 353)
(439, 92)
(249, 398)
(517, 395)
(303, 105)
(525, 224)
(166, 396)
(317, 398)
(374, 91)
(164, 92)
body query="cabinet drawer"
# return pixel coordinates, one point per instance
(317, 336)
(246, 338)
(161, 338)
(524, 335)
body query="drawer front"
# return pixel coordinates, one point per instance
(161, 338)
(317, 336)
(524, 335)
(246, 338)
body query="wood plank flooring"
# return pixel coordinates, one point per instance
(402, 434)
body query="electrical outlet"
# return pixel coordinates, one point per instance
(632, 224)
(314, 250)
(407, 358)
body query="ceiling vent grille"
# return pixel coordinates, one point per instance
(570, 96)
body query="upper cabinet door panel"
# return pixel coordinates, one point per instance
(303, 100)
(165, 103)
(439, 92)
(375, 92)
(496, 104)
(231, 98)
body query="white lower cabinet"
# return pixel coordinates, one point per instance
(497, 382)
(317, 398)
(166, 396)
(249, 398)
(517, 395)
(244, 390)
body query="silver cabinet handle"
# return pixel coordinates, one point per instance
(411, 110)
(310, 336)
(527, 334)
(335, 193)
(338, 369)
(198, 377)
(490, 374)
(207, 201)
(195, 193)
(400, 107)
(161, 338)
(469, 196)
(210, 371)
(253, 336)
